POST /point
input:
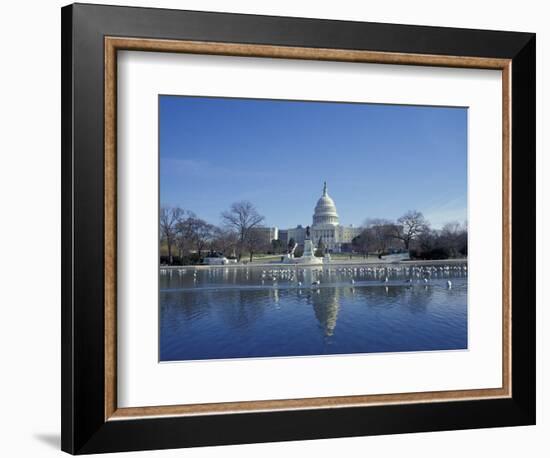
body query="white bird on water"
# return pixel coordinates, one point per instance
(352, 281)
(316, 282)
(449, 284)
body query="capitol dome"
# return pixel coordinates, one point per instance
(325, 210)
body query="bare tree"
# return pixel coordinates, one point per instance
(255, 242)
(362, 243)
(451, 241)
(224, 240)
(455, 237)
(184, 233)
(410, 226)
(169, 219)
(193, 234)
(378, 234)
(202, 234)
(242, 217)
(427, 241)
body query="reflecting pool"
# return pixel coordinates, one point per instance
(241, 312)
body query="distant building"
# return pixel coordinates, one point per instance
(283, 236)
(267, 234)
(326, 227)
(298, 234)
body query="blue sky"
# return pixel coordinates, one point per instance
(378, 160)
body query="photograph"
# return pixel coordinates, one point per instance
(295, 228)
(279, 227)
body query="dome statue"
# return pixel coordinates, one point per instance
(325, 210)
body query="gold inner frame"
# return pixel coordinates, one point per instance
(114, 44)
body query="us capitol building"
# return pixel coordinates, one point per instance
(325, 226)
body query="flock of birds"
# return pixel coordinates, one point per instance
(351, 274)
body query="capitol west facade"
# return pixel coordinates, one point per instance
(325, 226)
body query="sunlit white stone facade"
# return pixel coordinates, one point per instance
(267, 234)
(325, 226)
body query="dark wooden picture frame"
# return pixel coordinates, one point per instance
(91, 37)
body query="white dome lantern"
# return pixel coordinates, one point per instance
(325, 210)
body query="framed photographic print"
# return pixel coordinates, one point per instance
(282, 228)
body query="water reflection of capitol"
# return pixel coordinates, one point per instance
(326, 304)
(249, 305)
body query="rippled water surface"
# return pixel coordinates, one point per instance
(238, 312)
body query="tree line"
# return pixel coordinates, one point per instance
(187, 237)
(413, 234)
